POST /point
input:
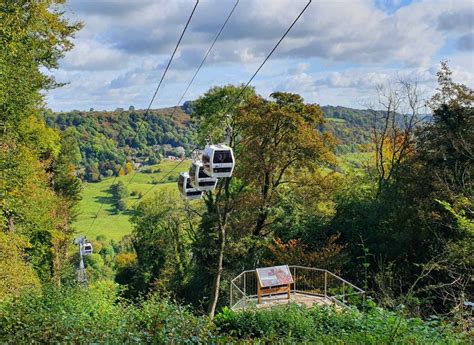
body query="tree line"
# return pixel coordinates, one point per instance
(106, 140)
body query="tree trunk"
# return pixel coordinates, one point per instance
(263, 212)
(217, 279)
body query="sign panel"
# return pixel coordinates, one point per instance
(274, 276)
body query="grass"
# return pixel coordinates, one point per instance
(335, 119)
(355, 160)
(115, 226)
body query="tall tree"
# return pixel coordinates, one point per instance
(34, 35)
(273, 141)
(281, 138)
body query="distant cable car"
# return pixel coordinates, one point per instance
(86, 248)
(199, 178)
(187, 191)
(218, 160)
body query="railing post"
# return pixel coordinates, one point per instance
(344, 292)
(231, 296)
(325, 283)
(245, 285)
(295, 279)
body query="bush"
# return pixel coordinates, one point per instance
(95, 315)
(329, 325)
(122, 205)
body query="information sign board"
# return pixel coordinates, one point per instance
(274, 276)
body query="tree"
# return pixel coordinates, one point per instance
(119, 191)
(445, 165)
(273, 141)
(447, 145)
(34, 36)
(280, 139)
(161, 237)
(129, 168)
(393, 128)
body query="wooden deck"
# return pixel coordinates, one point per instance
(281, 299)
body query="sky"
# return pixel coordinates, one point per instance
(336, 54)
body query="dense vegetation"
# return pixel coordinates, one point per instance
(98, 315)
(400, 226)
(38, 186)
(108, 139)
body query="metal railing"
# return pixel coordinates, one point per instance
(307, 281)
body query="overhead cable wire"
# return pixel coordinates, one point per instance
(266, 59)
(204, 58)
(164, 176)
(248, 83)
(151, 102)
(198, 69)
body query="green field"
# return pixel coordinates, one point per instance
(335, 119)
(115, 226)
(354, 160)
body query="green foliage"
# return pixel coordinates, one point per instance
(352, 127)
(119, 192)
(17, 274)
(328, 325)
(209, 110)
(161, 241)
(107, 139)
(95, 315)
(418, 230)
(33, 36)
(38, 188)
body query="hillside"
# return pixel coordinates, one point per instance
(108, 138)
(350, 126)
(311, 227)
(110, 223)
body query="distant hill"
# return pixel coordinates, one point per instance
(350, 126)
(107, 138)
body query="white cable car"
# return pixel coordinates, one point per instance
(218, 160)
(187, 191)
(86, 248)
(199, 179)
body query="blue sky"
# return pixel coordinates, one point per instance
(336, 54)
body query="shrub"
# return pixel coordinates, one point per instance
(330, 325)
(122, 205)
(96, 315)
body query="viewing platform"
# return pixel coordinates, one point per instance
(291, 284)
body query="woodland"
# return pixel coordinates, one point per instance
(399, 225)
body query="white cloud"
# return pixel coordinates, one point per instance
(124, 46)
(92, 55)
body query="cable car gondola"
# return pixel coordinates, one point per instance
(187, 191)
(218, 160)
(86, 248)
(199, 179)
